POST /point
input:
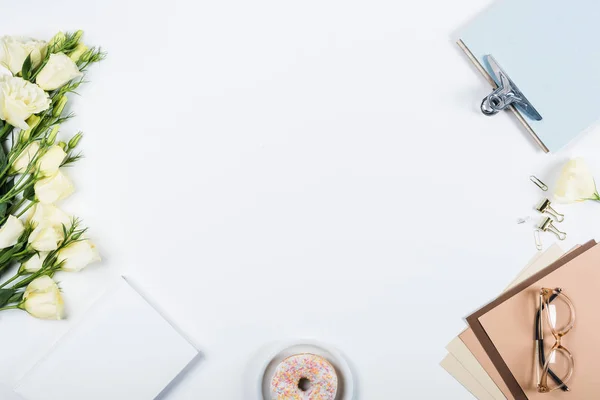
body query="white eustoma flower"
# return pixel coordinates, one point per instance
(10, 232)
(78, 255)
(51, 160)
(59, 71)
(20, 99)
(20, 165)
(48, 215)
(53, 188)
(575, 183)
(35, 263)
(46, 238)
(14, 51)
(42, 299)
(4, 71)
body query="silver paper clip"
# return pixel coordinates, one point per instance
(546, 226)
(506, 94)
(545, 206)
(538, 183)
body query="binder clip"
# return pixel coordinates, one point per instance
(545, 206)
(546, 226)
(506, 94)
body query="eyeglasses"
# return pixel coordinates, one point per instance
(554, 364)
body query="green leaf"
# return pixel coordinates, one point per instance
(3, 159)
(29, 193)
(5, 295)
(26, 70)
(3, 208)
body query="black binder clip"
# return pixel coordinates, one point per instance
(506, 94)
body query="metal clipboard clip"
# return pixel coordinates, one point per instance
(506, 94)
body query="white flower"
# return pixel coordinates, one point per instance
(34, 264)
(14, 51)
(53, 188)
(4, 71)
(19, 100)
(78, 255)
(20, 165)
(42, 299)
(10, 232)
(48, 215)
(575, 183)
(51, 160)
(46, 238)
(59, 71)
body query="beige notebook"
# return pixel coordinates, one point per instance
(505, 327)
(468, 356)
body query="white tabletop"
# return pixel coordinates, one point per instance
(276, 170)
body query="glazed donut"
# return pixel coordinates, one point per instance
(304, 377)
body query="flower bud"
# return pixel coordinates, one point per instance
(34, 263)
(59, 106)
(77, 255)
(42, 299)
(79, 51)
(21, 163)
(57, 40)
(77, 35)
(51, 138)
(33, 122)
(46, 238)
(54, 188)
(51, 160)
(62, 145)
(10, 232)
(75, 140)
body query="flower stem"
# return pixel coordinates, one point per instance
(10, 280)
(15, 307)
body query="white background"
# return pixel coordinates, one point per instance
(276, 170)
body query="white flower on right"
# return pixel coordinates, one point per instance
(19, 100)
(78, 255)
(14, 51)
(59, 71)
(54, 188)
(10, 232)
(48, 215)
(51, 160)
(575, 183)
(21, 163)
(42, 299)
(46, 238)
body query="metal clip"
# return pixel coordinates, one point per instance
(538, 240)
(506, 94)
(545, 207)
(546, 226)
(538, 183)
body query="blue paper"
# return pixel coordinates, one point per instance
(551, 51)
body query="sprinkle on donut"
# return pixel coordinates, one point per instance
(304, 377)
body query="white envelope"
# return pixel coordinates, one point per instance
(122, 349)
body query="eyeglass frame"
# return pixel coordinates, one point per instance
(546, 296)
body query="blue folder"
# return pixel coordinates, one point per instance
(551, 50)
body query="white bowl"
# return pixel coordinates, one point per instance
(344, 373)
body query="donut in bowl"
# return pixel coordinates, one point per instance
(304, 377)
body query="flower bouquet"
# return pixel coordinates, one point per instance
(37, 239)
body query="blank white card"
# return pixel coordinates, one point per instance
(123, 349)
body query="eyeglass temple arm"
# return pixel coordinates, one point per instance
(539, 337)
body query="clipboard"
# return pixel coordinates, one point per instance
(542, 59)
